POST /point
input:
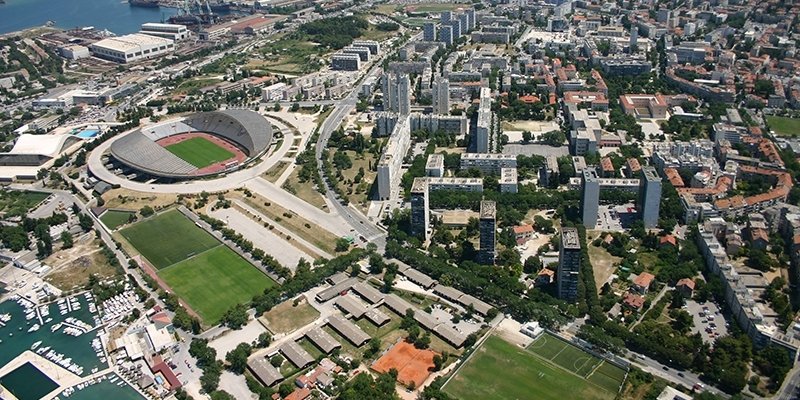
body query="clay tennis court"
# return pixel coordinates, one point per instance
(412, 364)
(238, 155)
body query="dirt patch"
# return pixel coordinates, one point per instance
(126, 199)
(602, 262)
(73, 267)
(287, 317)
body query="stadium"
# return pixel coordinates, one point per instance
(195, 146)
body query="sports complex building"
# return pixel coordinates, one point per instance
(195, 146)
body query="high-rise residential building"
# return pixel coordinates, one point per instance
(484, 127)
(389, 89)
(396, 93)
(441, 96)
(429, 32)
(569, 265)
(457, 30)
(487, 228)
(420, 211)
(590, 196)
(464, 19)
(446, 35)
(634, 37)
(649, 196)
(471, 18)
(446, 17)
(404, 95)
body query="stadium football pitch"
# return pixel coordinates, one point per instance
(202, 271)
(199, 152)
(501, 370)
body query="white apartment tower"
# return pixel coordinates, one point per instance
(441, 96)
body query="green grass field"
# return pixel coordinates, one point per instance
(573, 359)
(214, 281)
(114, 218)
(202, 271)
(168, 238)
(18, 203)
(784, 126)
(199, 152)
(501, 370)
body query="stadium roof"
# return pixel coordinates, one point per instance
(138, 149)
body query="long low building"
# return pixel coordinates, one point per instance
(351, 305)
(397, 304)
(131, 48)
(369, 293)
(377, 317)
(349, 330)
(264, 371)
(336, 290)
(323, 340)
(419, 278)
(462, 298)
(296, 354)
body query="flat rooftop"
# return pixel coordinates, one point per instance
(570, 238)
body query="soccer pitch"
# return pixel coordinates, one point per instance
(168, 238)
(501, 370)
(202, 271)
(199, 152)
(784, 126)
(215, 280)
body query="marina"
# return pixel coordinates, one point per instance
(63, 332)
(109, 386)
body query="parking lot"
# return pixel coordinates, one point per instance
(708, 320)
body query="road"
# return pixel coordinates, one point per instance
(791, 386)
(689, 379)
(365, 227)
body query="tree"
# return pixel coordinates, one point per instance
(237, 358)
(526, 136)
(438, 362)
(209, 381)
(146, 211)
(263, 340)
(342, 245)
(221, 395)
(276, 361)
(236, 317)
(285, 389)
(295, 107)
(66, 240)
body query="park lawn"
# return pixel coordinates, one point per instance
(168, 238)
(784, 126)
(18, 203)
(214, 281)
(501, 370)
(115, 218)
(199, 152)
